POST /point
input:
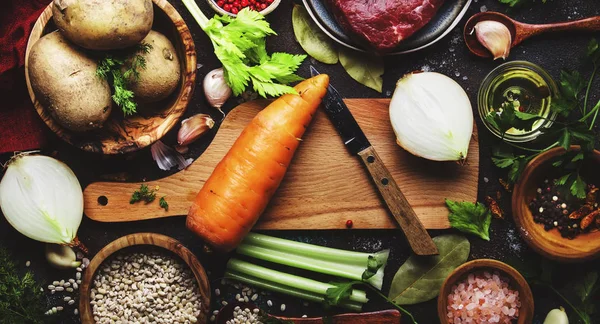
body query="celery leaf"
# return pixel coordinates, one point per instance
(469, 217)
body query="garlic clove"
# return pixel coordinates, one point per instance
(61, 256)
(494, 36)
(194, 127)
(557, 316)
(216, 89)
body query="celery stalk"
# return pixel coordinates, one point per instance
(341, 263)
(273, 286)
(286, 279)
(196, 12)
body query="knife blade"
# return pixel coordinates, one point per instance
(357, 144)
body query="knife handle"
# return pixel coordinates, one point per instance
(416, 234)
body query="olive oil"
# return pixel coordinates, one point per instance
(521, 86)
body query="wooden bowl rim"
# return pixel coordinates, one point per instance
(179, 105)
(215, 7)
(517, 199)
(127, 241)
(517, 280)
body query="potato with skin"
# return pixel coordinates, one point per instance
(103, 24)
(162, 73)
(64, 80)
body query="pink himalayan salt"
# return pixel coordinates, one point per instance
(483, 298)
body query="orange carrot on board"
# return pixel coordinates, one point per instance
(241, 185)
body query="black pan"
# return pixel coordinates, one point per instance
(446, 18)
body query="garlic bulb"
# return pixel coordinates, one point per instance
(494, 36)
(41, 198)
(194, 127)
(557, 316)
(432, 117)
(216, 89)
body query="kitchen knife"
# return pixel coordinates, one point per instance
(357, 144)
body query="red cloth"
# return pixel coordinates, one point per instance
(20, 126)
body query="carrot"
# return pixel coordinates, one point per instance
(241, 185)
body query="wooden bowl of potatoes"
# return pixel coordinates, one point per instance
(110, 80)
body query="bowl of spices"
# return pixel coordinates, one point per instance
(145, 278)
(553, 222)
(485, 291)
(232, 7)
(521, 86)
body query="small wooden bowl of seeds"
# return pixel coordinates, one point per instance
(544, 214)
(145, 277)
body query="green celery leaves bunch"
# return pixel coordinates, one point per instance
(576, 127)
(240, 44)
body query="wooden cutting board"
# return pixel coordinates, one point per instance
(324, 187)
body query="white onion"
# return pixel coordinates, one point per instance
(42, 198)
(432, 116)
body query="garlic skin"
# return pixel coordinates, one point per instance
(194, 127)
(167, 157)
(557, 316)
(216, 89)
(432, 116)
(494, 36)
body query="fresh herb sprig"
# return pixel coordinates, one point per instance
(144, 194)
(342, 291)
(239, 43)
(162, 202)
(21, 300)
(468, 217)
(519, 3)
(110, 68)
(573, 105)
(580, 293)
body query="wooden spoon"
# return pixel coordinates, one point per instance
(521, 31)
(389, 316)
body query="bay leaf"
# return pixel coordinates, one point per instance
(364, 68)
(314, 42)
(420, 278)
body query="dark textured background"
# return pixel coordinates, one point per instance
(449, 56)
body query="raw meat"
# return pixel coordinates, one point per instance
(383, 24)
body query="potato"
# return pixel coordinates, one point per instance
(64, 80)
(104, 24)
(162, 73)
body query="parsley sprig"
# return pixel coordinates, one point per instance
(573, 105)
(143, 194)
(239, 43)
(110, 67)
(468, 217)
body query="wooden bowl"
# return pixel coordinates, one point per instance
(551, 244)
(119, 134)
(144, 239)
(517, 282)
(213, 4)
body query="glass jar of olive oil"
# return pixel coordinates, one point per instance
(522, 86)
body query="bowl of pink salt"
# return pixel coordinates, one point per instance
(485, 291)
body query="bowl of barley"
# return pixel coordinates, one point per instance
(145, 277)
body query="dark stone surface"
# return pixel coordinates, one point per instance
(449, 56)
